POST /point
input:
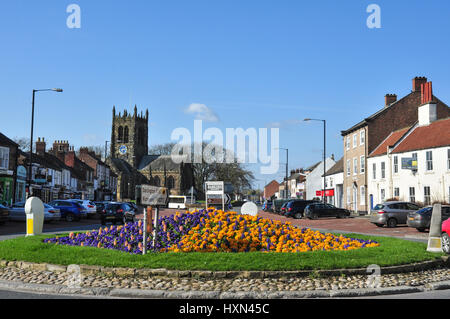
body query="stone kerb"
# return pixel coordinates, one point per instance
(203, 274)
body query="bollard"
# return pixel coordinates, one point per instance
(434, 239)
(34, 208)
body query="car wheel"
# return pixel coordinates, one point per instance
(392, 223)
(103, 222)
(422, 230)
(446, 243)
(298, 216)
(70, 217)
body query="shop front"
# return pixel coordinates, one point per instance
(21, 184)
(6, 190)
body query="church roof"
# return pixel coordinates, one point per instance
(160, 162)
(122, 165)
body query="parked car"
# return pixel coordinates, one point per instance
(283, 208)
(446, 236)
(392, 214)
(17, 213)
(296, 208)
(117, 212)
(276, 206)
(421, 219)
(267, 206)
(88, 205)
(134, 206)
(318, 210)
(100, 206)
(70, 210)
(4, 214)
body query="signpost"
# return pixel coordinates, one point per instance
(215, 188)
(151, 196)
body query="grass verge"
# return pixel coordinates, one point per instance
(392, 251)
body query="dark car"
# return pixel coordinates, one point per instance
(117, 213)
(283, 208)
(4, 214)
(70, 210)
(133, 205)
(296, 208)
(318, 210)
(100, 206)
(421, 219)
(277, 204)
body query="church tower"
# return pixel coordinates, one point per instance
(129, 136)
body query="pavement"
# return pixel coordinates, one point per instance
(359, 224)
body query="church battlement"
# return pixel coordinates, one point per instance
(126, 116)
(129, 136)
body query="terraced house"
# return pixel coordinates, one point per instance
(413, 163)
(361, 139)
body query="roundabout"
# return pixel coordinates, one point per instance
(221, 255)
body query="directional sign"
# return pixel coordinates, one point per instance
(227, 199)
(153, 195)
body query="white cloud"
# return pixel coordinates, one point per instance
(202, 112)
(286, 124)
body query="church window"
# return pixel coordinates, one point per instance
(120, 137)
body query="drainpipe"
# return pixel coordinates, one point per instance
(391, 182)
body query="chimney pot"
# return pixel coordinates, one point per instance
(417, 83)
(389, 99)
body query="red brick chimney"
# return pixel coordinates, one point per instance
(69, 158)
(427, 92)
(417, 83)
(389, 99)
(40, 146)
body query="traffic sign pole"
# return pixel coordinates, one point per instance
(144, 249)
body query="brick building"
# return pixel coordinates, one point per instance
(271, 189)
(361, 139)
(413, 164)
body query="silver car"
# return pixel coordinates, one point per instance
(392, 214)
(17, 213)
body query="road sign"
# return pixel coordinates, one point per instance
(214, 188)
(227, 199)
(153, 195)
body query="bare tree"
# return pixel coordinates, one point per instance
(24, 143)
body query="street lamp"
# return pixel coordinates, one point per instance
(324, 153)
(287, 168)
(31, 139)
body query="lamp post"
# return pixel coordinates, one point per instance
(287, 168)
(106, 150)
(31, 138)
(324, 153)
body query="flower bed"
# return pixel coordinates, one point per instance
(213, 231)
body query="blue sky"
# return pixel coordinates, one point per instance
(251, 63)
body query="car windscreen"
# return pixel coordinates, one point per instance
(426, 211)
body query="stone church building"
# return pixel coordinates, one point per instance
(133, 164)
